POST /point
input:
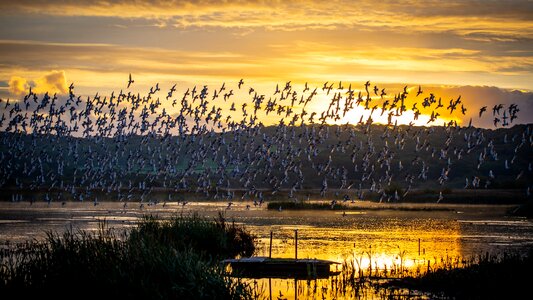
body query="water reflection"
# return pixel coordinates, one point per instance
(372, 245)
(370, 241)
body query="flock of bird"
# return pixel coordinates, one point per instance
(132, 146)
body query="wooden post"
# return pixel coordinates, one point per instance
(418, 247)
(270, 248)
(295, 243)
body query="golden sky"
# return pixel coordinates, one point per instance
(451, 46)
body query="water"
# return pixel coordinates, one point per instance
(383, 239)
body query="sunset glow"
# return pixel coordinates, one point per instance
(449, 46)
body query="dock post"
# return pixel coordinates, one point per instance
(270, 248)
(295, 243)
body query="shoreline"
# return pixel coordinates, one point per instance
(452, 196)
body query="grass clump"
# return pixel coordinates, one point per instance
(505, 277)
(523, 210)
(210, 239)
(174, 259)
(292, 205)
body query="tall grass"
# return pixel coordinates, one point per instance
(491, 277)
(483, 276)
(174, 259)
(209, 238)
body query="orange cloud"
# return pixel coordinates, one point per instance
(53, 82)
(18, 85)
(495, 18)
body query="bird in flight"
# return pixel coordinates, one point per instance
(482, 110)
(419, 91)
(130, 81)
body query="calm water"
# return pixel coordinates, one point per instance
(383, 238)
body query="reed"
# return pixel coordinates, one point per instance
(481, 276)
(156, 260)
(488, 277)
(211, 238)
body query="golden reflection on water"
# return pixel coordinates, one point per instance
(384, 248)
(386, 245)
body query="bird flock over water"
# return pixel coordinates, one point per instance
(213, 141)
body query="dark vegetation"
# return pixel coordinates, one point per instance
(289, 205)
(523, 210)
(482, 276)
(491, 277)
(172, 259)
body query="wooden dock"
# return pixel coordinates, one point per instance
(265, 267)
(268, 267)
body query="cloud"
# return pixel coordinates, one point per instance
(18, 85)
(450, 42)
(295, 60)
(53, 82)
(492, 18)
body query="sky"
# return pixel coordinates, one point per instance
(481, 50)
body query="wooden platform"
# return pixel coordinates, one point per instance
(264, 267)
